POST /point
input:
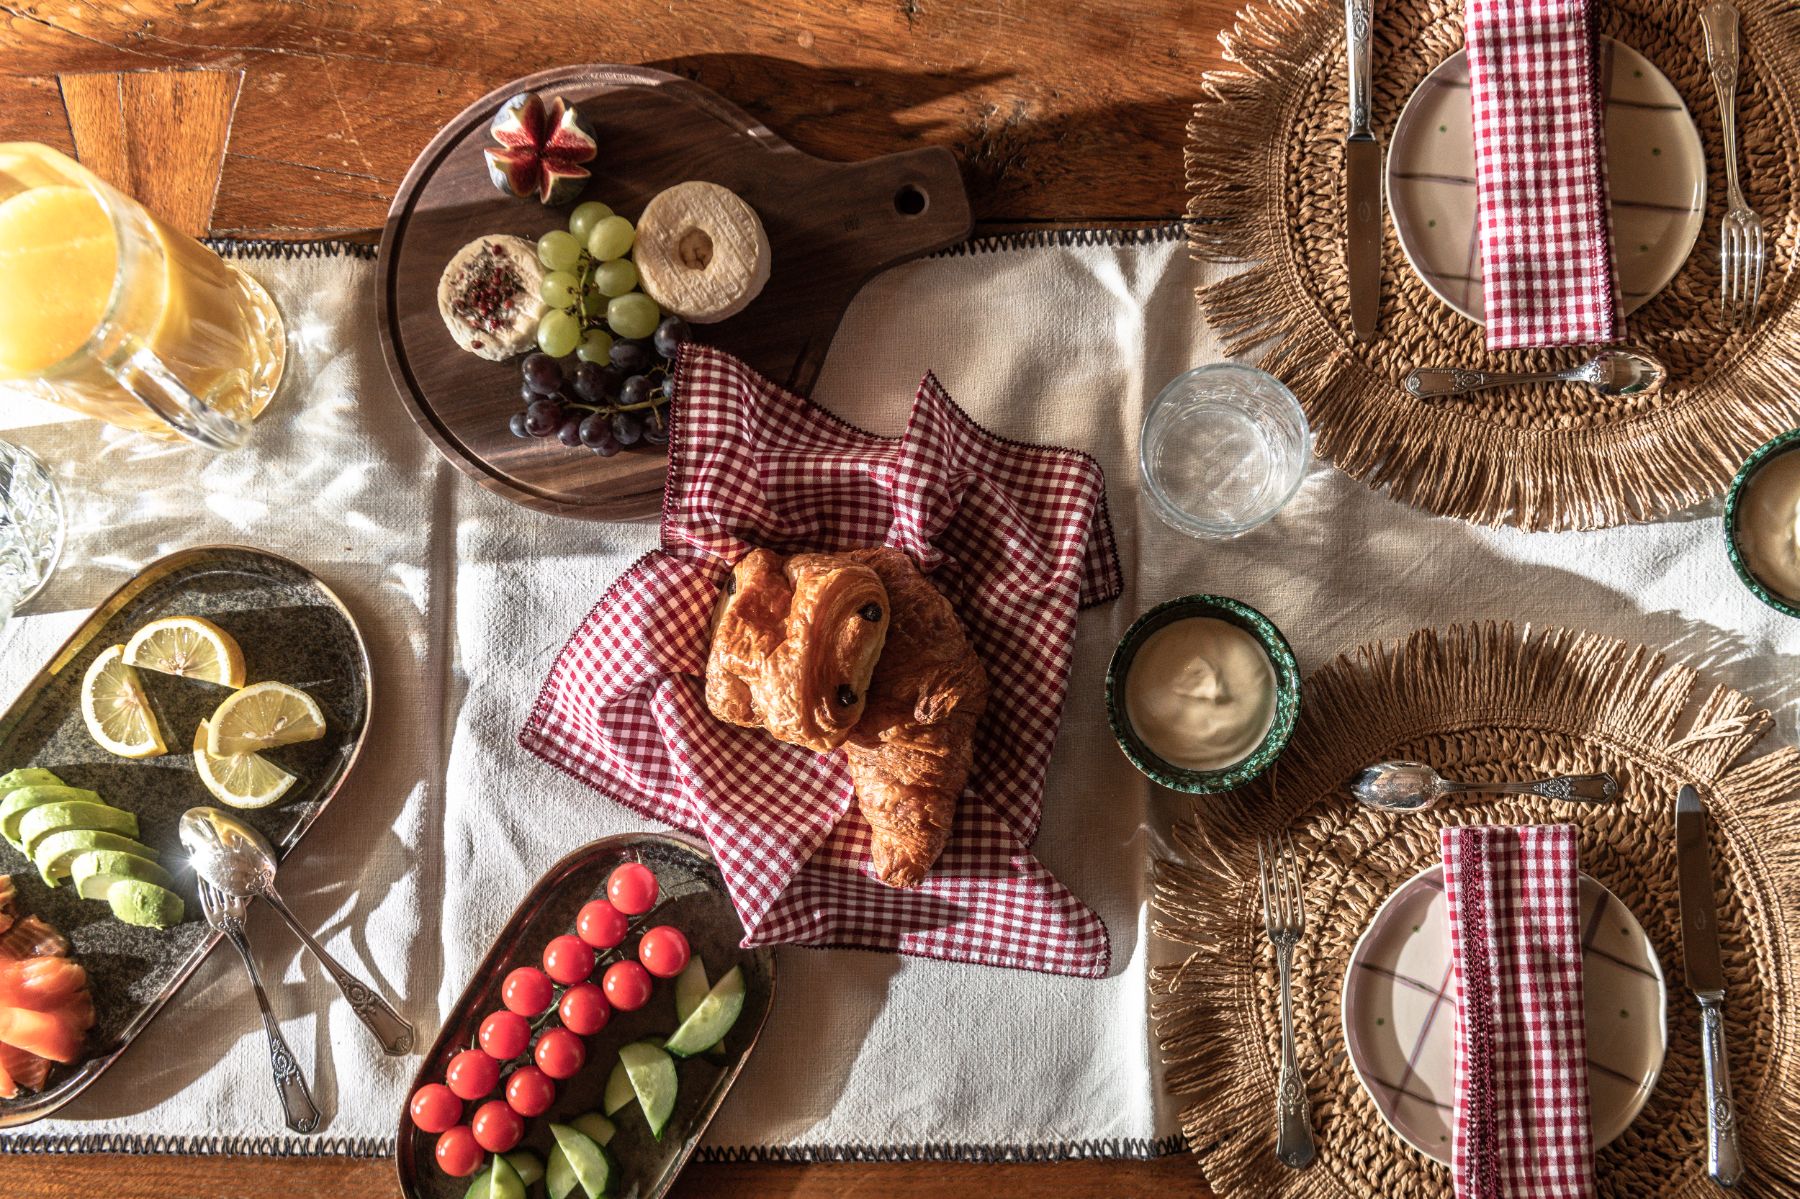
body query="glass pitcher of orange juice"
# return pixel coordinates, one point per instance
(106, 310)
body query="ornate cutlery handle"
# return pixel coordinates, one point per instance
(1570, 788)
(296, 1101)
(1453, 381)
(394, 1033)
(1293, 1119)
(1358, 21)
(1719, 20)
(1722, 1160)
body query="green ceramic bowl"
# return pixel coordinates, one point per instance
(1734, 504)
(1287, 694)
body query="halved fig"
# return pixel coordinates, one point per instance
(542, 147)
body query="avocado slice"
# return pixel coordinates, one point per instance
(56, 853)
(49, 818)
(618, 1091)
(145, 904)
(590, 1163)
(27, 776)
(712, 1019)
(95, 871)
(652, 1074)
(21, 800)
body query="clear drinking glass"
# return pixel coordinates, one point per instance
(1222, 449)
(106, 310)
(31, 527)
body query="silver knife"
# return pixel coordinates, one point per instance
(1706, 978)
(1362, 179)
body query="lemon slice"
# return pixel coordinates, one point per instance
(241, 780)
(262, 717)
(116, 710)
(189, 646)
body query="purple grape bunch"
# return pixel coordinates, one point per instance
(603, 407)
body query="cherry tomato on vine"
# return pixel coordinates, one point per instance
(632, 888)
(584, 1010)
(627, 986)
(458, 1154)
(472, 1075)
(530, 1091)
(435, 1108)
(602, 925)
(497, 1127)
(560, 1053)
(527, 991)
(664, 951)
(505, 1035)
(568, 959)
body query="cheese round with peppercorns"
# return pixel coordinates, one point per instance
(488, 296)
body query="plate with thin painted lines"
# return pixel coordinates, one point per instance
(1655, 168)
(1400, 1011)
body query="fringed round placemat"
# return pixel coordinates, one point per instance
(1265, 166)
(1484, 702)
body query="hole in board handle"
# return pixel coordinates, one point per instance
(910, 200)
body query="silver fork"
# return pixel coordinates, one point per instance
(1742, 253)
(226, 914)
(1284, 915)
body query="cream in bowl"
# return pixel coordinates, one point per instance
(1762, 523)
(1202, 693)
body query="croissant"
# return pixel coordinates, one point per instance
(794, 644)
(910, 754)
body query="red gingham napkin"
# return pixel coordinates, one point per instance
(1522, 1120)
(1016, 536)
(1540, 173)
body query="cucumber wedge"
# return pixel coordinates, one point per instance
(45, 819)
(712, 1019)
(590, 1163)
(21, 800)
(559, 1175)
(652, 1074)
(527, 1164)
(595, 1127)
(478, 1185)
(618, 1091)
(498, 1181)
(690, 988)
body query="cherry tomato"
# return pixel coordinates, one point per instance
(527, 991)
(664, 951)
(435, 1108)
(530, 1092)
(458, 1154)
(602, 925)
(560, 1053)
(568, 959)
(627, 986)
(505, 1035)
(632, 888)
(497, 1127)
(584, 1010)
(472, 1075)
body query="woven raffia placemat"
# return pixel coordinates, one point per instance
(1483, 702)
(1265, 166)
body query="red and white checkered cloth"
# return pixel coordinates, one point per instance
(1523, 1128)
(1017, 537)
(1540, 173)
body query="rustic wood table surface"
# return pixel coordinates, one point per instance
(298, 118)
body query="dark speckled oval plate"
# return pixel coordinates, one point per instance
(292, 629)
(692, 899)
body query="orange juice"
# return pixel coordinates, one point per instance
(113, 314)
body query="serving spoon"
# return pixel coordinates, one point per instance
(1414, 787)
(1611, 373)
(239, 861)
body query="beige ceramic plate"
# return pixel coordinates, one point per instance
(1656, 173)
(1400, 1007)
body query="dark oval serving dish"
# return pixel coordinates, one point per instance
(693, 899)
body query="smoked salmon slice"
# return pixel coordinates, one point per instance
(56, 1035)
(21, 1071)
(40, 983)
(31, 938)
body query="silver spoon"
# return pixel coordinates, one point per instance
(237, 860)
(1414, 786)
(1611, 373)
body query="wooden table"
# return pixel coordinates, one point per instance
(298, 118)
